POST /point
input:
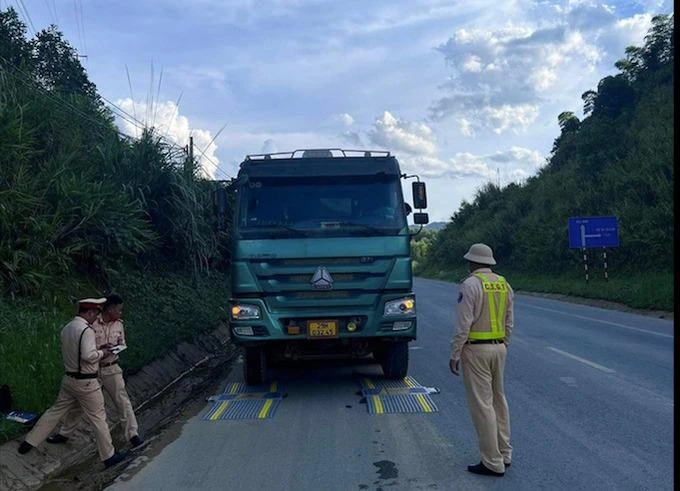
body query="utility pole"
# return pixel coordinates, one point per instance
(189, 164)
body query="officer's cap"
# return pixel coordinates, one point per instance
(91, 303)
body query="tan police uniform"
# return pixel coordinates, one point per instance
(483, 355)
(79, 388)
(111, 377)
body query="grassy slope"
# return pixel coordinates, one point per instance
(161, 310)
(653, 291)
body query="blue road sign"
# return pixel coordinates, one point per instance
(591, 232)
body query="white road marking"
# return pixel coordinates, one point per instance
(570, 381)
(582, 360)
(600, 320)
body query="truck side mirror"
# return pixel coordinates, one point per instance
(407, 209)
(421, 218)
(419, 195)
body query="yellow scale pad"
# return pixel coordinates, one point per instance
(396, 396)
(240, 401)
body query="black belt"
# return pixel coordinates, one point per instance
(109, 364)
(81, 376)
(485, 341)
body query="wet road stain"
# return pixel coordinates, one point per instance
(386, 469)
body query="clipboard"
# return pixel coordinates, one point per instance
(118, 348)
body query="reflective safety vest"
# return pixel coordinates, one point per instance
(495, 290)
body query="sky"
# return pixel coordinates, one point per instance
(462, 92)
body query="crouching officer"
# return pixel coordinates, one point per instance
(485, 322)
(79, 387)
(109, 331)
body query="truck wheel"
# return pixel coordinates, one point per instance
(394, 360)
(255, 366)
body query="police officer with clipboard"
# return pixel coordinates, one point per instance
(79, 387)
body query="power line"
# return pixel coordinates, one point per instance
(49, 9)
(25, 14)
(134, 121)
(82, 23)
(120, 112)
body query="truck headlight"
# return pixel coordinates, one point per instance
(245, 312)
(402, 306)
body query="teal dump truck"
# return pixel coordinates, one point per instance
(321, 261)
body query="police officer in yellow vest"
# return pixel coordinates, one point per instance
(485, 321)
(79, 387)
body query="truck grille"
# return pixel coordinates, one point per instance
(357, 281)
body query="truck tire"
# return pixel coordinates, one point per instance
(394, 360)
(255, 366)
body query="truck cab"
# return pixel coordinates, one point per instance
(321, 262)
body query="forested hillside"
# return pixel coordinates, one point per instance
(617, 161)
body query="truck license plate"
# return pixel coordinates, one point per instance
(322, 329)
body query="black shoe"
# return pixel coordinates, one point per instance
(25, 447)
(484, 470)
(57, 438)
(507, 464)
(116, 458)
(136, 441)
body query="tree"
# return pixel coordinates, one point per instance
(14, 49)
(57, 66)
(568, 122)
(633, 64)
(588, 97)
(614, 94)
(659, 43)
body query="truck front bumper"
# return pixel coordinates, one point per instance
(359, 323)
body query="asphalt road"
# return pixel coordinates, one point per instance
(591, 403)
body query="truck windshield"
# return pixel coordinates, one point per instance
(321, 206)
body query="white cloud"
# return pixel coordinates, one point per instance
(391, 133)
(165, 118)
(468, 165)
(508, 66)
(465, 127)
(501, 118)
(345, 119)
(415, 145)
(517, 162)
(519, 155)
(423, 165)
(624, 33)
(473, 64)
(519, 175)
